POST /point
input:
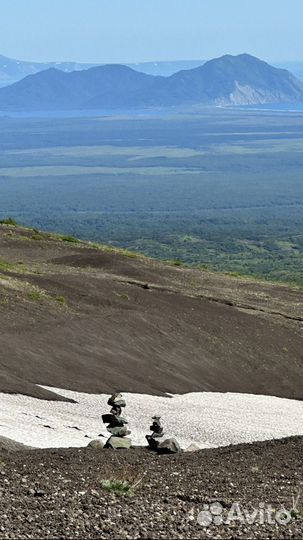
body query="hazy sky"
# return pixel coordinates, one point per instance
(144, 30)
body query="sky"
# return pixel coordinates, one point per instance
(123, 31)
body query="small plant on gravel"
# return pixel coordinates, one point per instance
(9, 221)
(119, 487)
(37, 236)
(130, 254)
(35, 295)
(124, 296)
(4, 265)
(123, 486)
(118, 251)
(17, 267)
(71, 239)
(177, 262)
(60, 299)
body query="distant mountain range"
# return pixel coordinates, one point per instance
(12, 70)
(229, 80)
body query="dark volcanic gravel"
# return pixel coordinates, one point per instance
(58, 494)
(176, 329)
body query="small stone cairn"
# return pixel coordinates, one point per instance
(157, 433)
(155, 441)
(117, 424)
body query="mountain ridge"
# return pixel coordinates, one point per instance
(228, 80)
(12, 70)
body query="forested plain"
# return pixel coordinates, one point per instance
(218, 188)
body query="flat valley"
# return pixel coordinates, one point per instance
(214, 187)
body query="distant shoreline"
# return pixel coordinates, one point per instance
(150, 112)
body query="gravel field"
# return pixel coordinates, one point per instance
(55, 494)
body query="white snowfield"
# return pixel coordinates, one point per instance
(209, 419)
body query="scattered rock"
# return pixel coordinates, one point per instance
(168, 499)
(116, 400)
(96, 444)
(169, 446)
(117, 443)
(9, 445)
(39, 493)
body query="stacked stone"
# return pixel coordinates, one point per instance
(117, 423)
(167, 446)
(157, 433)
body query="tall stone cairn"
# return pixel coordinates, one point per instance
(116, 423)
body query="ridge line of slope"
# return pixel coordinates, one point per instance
(144, 285)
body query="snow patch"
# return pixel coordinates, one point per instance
(210, 419)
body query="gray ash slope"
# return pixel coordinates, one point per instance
(229, 80)
(92, 319)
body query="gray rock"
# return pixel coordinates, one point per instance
(96, 444)
(9, 445)
(152, 442)
(114, 420)
(193, 447)
(39, 493)
(117, 443)
(169, 446)
(118, 431)
(116, 400)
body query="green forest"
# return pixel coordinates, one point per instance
(218, 188)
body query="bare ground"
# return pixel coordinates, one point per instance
(58, 493)
(93, 320)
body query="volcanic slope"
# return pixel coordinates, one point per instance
(89, 318)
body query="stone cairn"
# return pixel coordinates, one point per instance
(117, 423)
(157, 433)
(155, 441)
